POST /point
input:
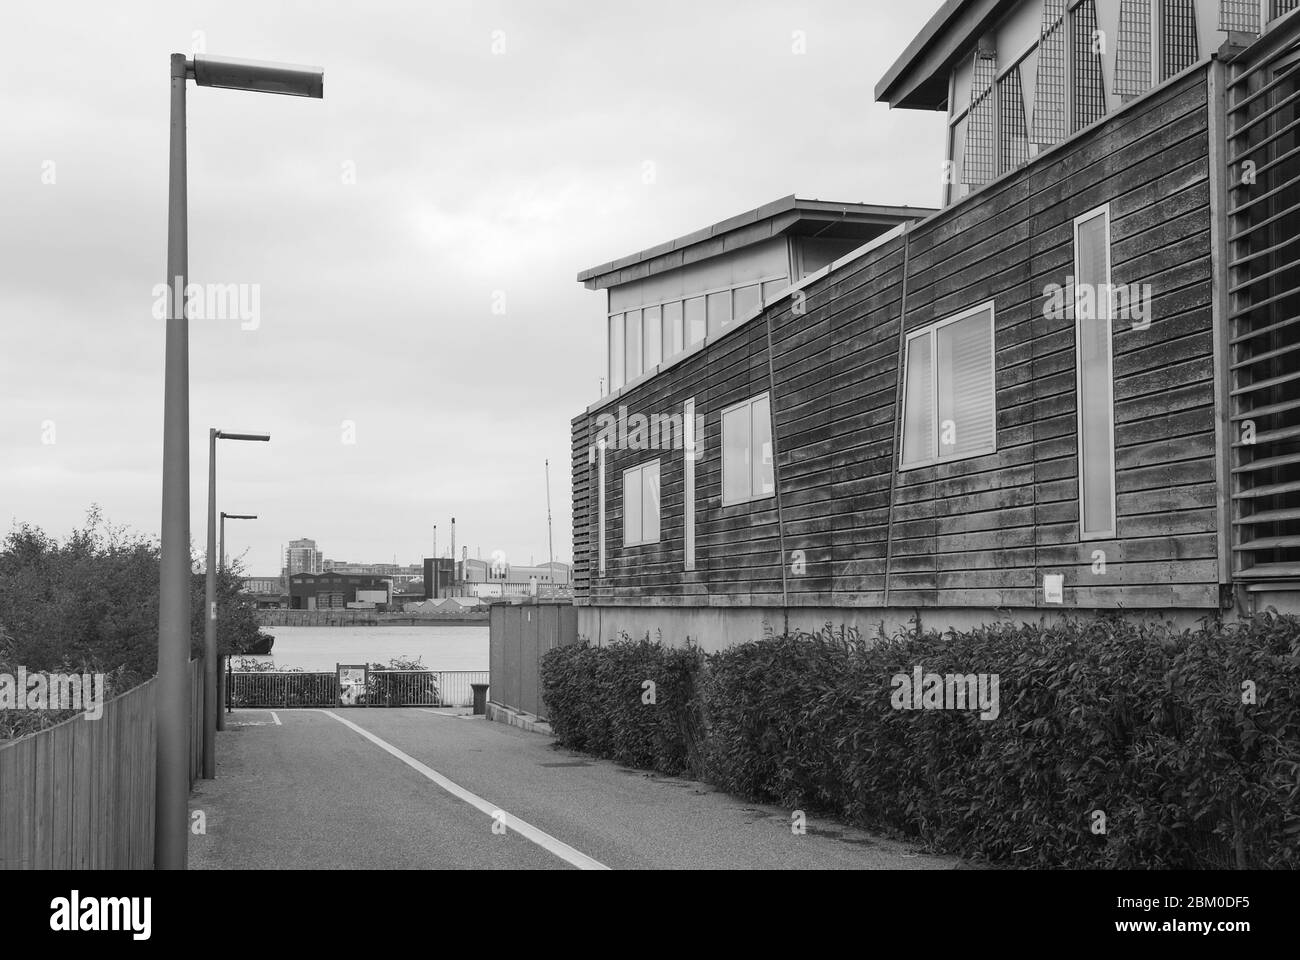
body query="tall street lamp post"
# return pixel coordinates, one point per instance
(212, 669)
(171, 820)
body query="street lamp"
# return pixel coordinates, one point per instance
(230, 516)
(211, 669)
(172, 712)
(221, 566)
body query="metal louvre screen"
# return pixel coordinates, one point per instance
(1263, 159)
(1049, 92)
(1013, 131)
(1178, 27)
(1239, 15)
(1089, 91)
(980, 166)
(1278, 8)
(1133, 54)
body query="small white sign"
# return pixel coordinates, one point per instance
(1054, 588)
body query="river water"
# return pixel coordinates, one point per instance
(442, 647)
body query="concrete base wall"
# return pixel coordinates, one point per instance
(716, 628)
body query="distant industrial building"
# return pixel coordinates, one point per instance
(336, 591)
(399, 573)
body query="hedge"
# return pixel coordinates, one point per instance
(1116, 745)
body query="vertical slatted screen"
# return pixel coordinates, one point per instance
(1239, 15)
(1178, 30)
(1133, 52)
(1049, 91)
(1088, 92)
(1013, 130)
(980, 166)
(1263, 155)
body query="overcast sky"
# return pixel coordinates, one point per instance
(380, 226)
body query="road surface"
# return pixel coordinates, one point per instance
(413, 788)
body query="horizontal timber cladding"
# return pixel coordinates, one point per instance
(979, 532)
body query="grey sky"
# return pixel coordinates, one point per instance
(475, 172)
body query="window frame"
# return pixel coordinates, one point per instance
(722, 450)
(932, 329)
(1109, 534)
(639, 469)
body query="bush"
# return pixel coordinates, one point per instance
(597, 700)
(1141, 724)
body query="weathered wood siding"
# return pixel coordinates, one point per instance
(981, 532)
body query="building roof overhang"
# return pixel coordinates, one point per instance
(918, 80)
(788, 216)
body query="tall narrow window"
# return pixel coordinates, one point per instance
(949, 408)
(696, 322)
(1092, 323)
(633, 344)
(1178, 44)
(746, 301)
(747, 468)
(651, 323)
(719, 312)
(691, 449)
(1089, 89)
(1049, 90)
(617, 376)
(600, 505)
(1133, 52)
(672, 329)
(641, 505)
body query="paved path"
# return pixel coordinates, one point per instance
(424, 789)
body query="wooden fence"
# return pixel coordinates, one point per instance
(80, 795)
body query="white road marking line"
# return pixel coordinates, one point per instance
(540, 837)
(276, 717)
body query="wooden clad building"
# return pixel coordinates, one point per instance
(1074, 388)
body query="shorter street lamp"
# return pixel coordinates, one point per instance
(221, 717)
(211, 670)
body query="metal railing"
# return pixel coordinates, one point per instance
(384, 688)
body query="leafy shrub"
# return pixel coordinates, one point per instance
(1141, 723)
(596, 701)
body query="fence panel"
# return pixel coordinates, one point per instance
(80, 795)
(384, 688)
(520, 635)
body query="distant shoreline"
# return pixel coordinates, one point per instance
(319, 618)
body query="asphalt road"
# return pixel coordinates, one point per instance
(427, 789)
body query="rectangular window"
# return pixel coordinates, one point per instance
(696, 324)
(747, 301)
(616, 357)
(949, 411)
(688, 492)
(633, 344)
(719, 312)
(672, 329)
(773, 288)
(600, 505)
(747, 472)
(641, 505)
(1096, 402)
(651, 323)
